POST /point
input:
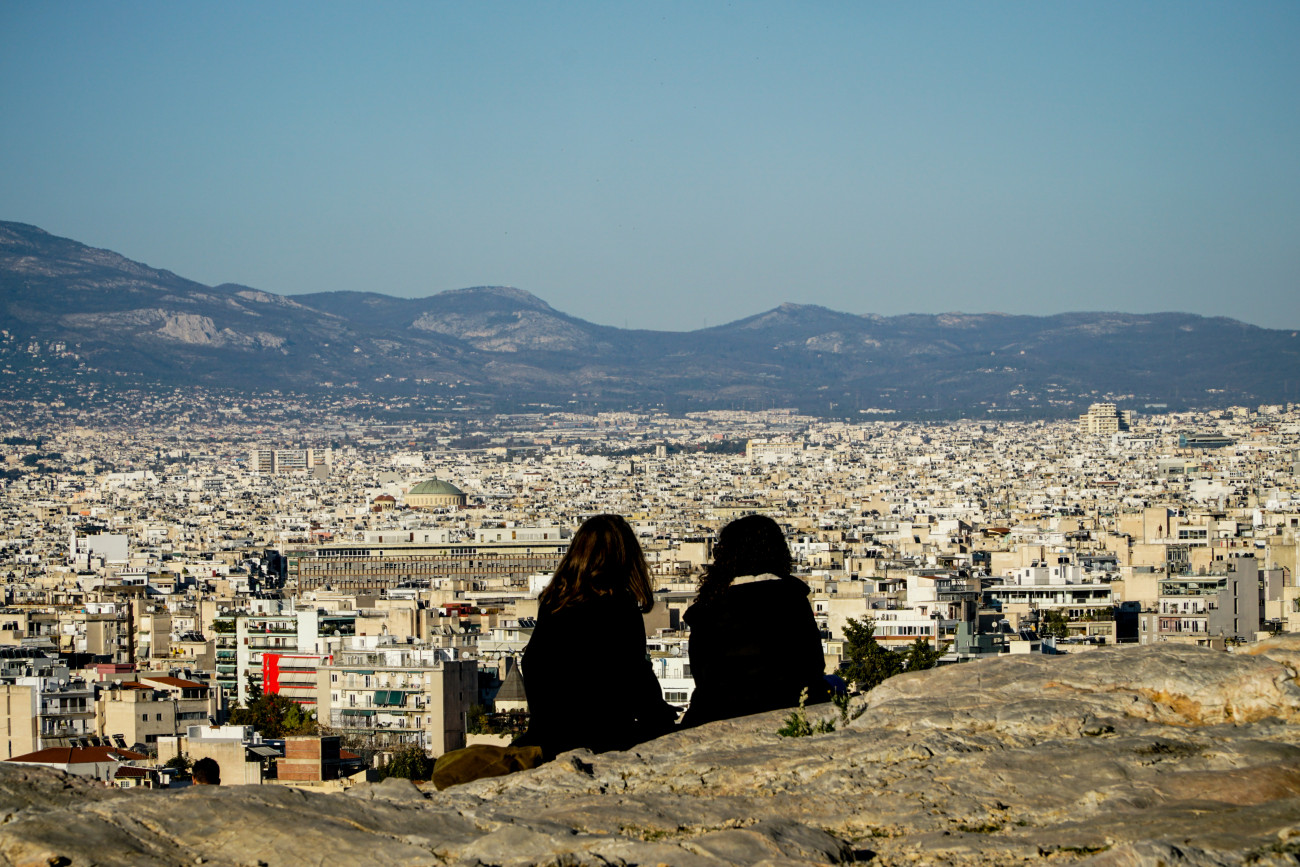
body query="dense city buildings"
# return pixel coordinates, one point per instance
(383, 575)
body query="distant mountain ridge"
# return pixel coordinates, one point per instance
(115, 318)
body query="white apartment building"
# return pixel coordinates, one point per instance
(772, 450)
(398, 695)
(1087, 602)
(671, 662)
(1105, 418)
(272, 461)
(1195, 608)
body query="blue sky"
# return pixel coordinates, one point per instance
(671, 165)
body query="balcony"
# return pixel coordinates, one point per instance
(298, 684)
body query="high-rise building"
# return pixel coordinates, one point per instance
(1104, 418)
(271, 461)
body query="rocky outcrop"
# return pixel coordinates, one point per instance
(517, 331)
(1132, 756)
(187, 328)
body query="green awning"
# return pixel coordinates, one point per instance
(358, 711)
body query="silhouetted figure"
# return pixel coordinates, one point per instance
(206, 772)
(754, 641)
(586, 674)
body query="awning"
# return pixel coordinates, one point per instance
(265, 752)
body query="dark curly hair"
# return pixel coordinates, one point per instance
(752, 545)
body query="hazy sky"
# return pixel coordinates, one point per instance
(664, 165)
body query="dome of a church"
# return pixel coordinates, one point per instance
(435, 493)
(438, 488)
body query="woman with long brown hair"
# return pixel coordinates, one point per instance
(586, 674)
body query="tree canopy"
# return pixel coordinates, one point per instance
(411, 763)
(275, 716)
(1054, 625)
(921, 655)
(866, 663)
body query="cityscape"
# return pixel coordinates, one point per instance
(384, 576)
(649, 435)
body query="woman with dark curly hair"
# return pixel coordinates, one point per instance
(586, 674)
(754, 643)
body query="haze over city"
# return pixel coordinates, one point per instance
(669, 166)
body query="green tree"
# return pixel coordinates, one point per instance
(180, 762)
(1054, 624)
(251, 687)
(920, 656)
(410, 763)
(275, 716)
(476, 721)
(866, 663)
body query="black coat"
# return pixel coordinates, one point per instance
(754, 649)
(589, 682)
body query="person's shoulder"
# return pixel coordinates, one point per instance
(596, 608)
(769, 585)
(795, 585)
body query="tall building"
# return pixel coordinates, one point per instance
(1223, 603)
(1104, 418)
(243, 638)
(395, 695)
(271, 461)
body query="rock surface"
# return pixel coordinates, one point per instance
(1130, 756)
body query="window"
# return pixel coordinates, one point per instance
(671, 695)
(144, 717)
(159, 717)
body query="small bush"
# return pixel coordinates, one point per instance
(411, 763)
(798, 726)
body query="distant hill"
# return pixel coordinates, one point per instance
(74, 311)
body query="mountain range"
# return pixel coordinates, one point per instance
(75, 313)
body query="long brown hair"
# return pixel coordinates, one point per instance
(752, 545)
(604, 558)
